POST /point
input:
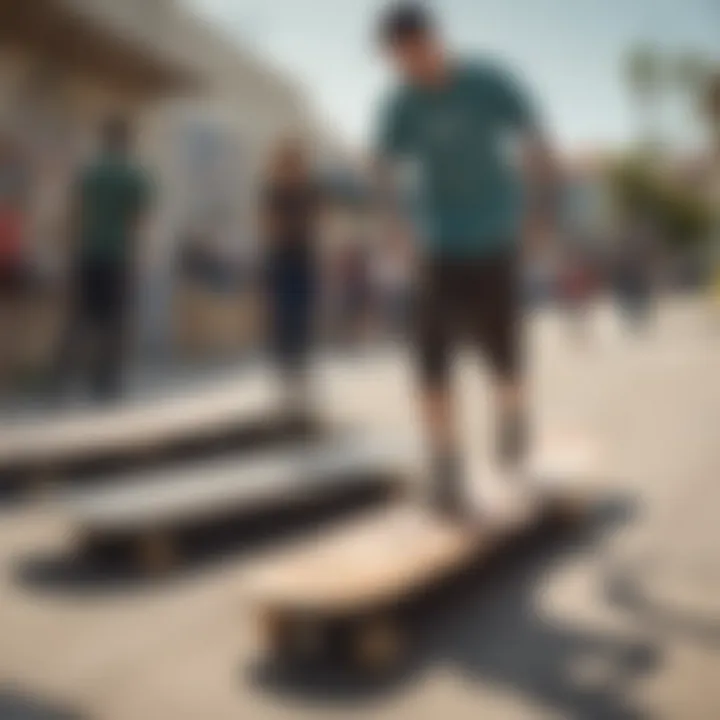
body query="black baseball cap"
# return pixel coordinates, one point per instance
(405, 21)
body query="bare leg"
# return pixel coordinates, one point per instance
(504, 342)
(441, 431)
(439, 420)
(512, 422)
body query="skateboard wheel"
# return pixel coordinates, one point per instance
(377, 646)
(307, 638)
(156, 553)
(288, 638)
(274, 633)
(87, 545)
(45, 484)
(569, 511)
(399, 491)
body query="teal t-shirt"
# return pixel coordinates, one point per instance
(458, 139)
(113, 193)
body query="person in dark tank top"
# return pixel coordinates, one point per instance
(110, 198)
(290, 216)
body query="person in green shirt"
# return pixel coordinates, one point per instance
(468, 133)
(110, 198)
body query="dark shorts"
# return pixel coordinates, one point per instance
(475, 301)
(103, 290)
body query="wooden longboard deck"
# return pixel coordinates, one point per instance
(137, 427)
(383, 556)
(202, 490)
(395, 553)
(337, 596)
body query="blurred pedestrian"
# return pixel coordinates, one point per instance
(110, 199)
(635, 261)
(461, 124)
(576, 291)
(290, 217)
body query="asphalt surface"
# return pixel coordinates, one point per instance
(619, 619)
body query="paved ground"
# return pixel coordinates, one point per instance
(621, 622)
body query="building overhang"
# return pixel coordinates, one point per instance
(68, 37)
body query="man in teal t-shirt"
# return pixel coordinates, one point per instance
(111, 196)
(113, 193)
(463, 129)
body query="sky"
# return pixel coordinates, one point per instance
(569, 53)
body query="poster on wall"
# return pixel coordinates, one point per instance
(45, 132)
(212, 171)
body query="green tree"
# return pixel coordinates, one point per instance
(682, 215)
(711, 112)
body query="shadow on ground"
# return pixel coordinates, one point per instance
(489, 627)
(16, 705)
(630, 589)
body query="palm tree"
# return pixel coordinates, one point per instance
(691, 71)
(645, 76)
(711, 108)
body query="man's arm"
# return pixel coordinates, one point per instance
(394, 142)
(537, 158)
(395, 227)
